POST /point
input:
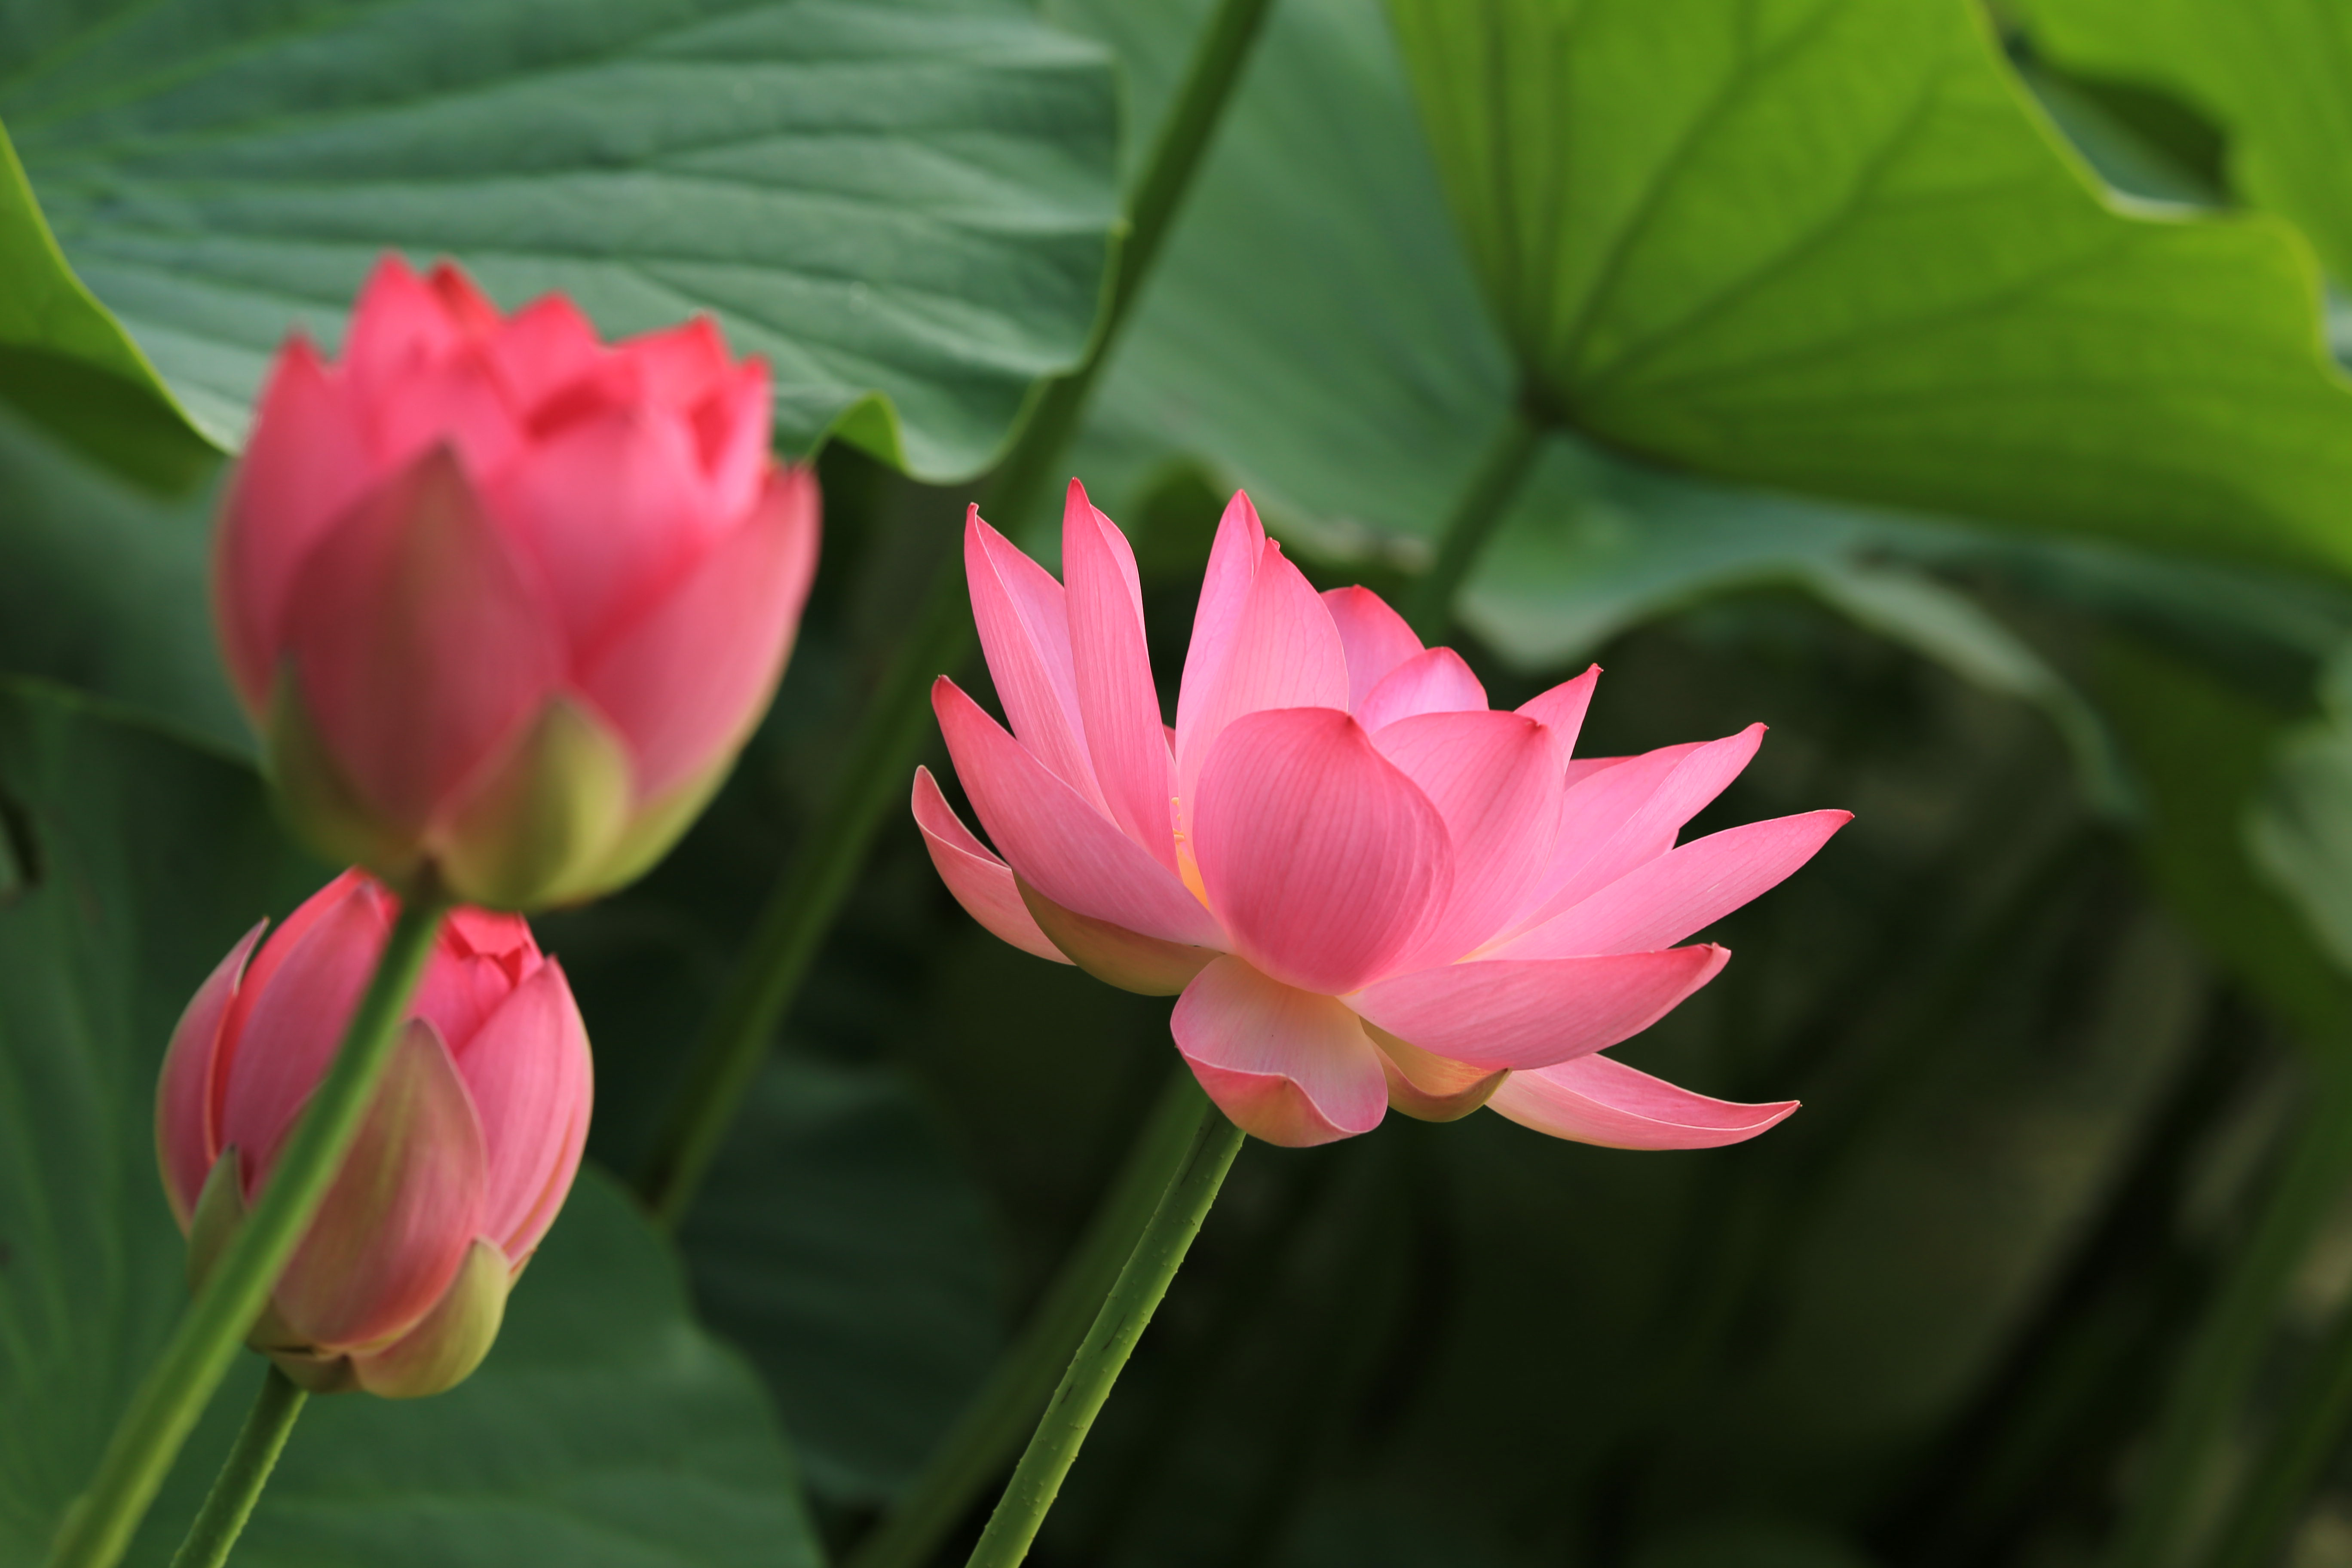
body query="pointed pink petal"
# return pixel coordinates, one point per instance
(491, 933)
(1436, 681)
(1375, 636)
(1025, 633)
(457, 402)
(1686, 890)
(1614, 818)
(614, 509)
(678, 365)
(686, 685)
(398, 323)
(1061, 845)
(469, 308)
(541, 349)
(1532, 1013)
(1287, 1065)
(1320, 856)
(1117, 699)
(303, 990)
(305, 465)
(422, 645)
(185, 1146)
(1596, 1099)
(732, 427)
(459, 991)
(981, 882)
(1285, 653)
(1494, 780)
(527, 1070)
(1224, 589)
(395, 1226)
(1561, 709)
(282, 943)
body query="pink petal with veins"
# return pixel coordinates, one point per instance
(528, 1071)
(422, 644)
(685, 683)
(306, 464)
(1686, 890)
(1024, 619)
(186, 1137)
(1595, 1099)
(1375, 636)
(1224, 590)
(1287, 1065)
(401, 1211)
(1432, 682)
(1056, 840)
(1320, 856)
(1117, 701)
(1615, 817)
(981, 883)
(1532, 1013)
(1561, 709)
(1494, 780)
(1284, 652)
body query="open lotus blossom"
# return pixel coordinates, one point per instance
(459, 1166)
(504, 598)
(1371, 888)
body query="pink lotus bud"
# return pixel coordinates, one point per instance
(463, 1160)
(1372, 892)
(504, 598)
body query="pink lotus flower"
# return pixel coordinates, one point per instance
(504, 598)
(463, 1160)
(1370, 890)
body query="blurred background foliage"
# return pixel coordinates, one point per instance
(1953, 391)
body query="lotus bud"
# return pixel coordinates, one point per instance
(504, 600)
(460, 1163)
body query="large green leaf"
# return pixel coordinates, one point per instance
(2275, 74)
(64, 361)
(838, 1245)
(904, 205)
(1828, 245)
(605, 1429)
(1315, 335)
(102, 586)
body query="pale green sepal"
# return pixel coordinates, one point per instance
(316, 800)
(657, 825)
(314, 1373)
(442, 1350)
(1428, 1086)
(220, 1215)
(1146, 966)
(544, 820)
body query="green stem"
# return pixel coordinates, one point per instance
(147, 1438)
(1126, 1311)
(230, 1503)
(802, 906)
(986, 1436)
(2227, 1346)
(1428, 604)
(2281, 1481)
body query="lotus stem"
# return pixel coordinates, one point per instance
(1126, 1312)
(1428, 604)
(989, 1432)
(147, 1438)
(230, 1502)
